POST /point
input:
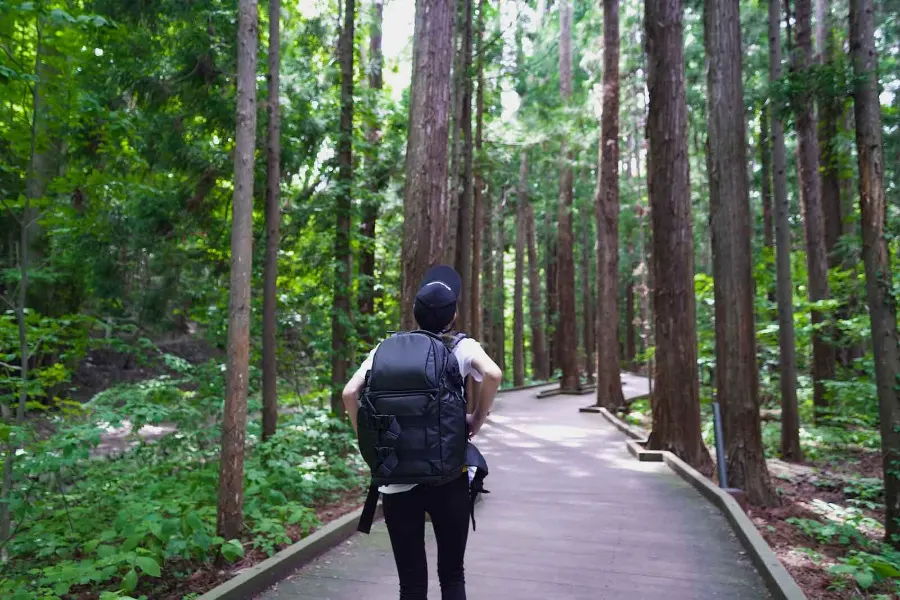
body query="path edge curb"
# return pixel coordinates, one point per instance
(779, 582)
(261, 576)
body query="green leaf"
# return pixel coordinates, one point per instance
(885, 569)
(61, 588)
(130, 581)
(148, 565)
(132, 542)
(864, 579)
(194, 522)
(232, 549)
(105, 551)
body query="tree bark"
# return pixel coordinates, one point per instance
(230, 515)
(519, 291)
(737, 379)
(487, 308)
(784, 290)
(341, 316)
(816, 255)
(676, 405)
(587, 294)
(463, 167)
(478, 184)
(539, 360)
(499, 336)
(551, 291)
(765, 159)
(379, 180)
(876, 256)
(831, 109)
(273, 226)
(567, 339)
(425, 196)
(630, 345)
(606, 211)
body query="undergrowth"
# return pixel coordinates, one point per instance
(131, 523)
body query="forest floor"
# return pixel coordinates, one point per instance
(828, 530)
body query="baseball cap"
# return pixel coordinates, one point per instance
(435, 304)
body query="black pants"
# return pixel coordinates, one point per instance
(404, 514)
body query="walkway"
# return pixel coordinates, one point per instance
(570, 516)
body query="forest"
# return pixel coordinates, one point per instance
(210, 212)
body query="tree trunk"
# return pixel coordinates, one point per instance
(425, 197)
(567, 340)
(790, 420)
(519, 293)
(379, 180)
(630, 345)
(487, 308)
(606, 211)
(676, 406)
(341, 317)
(876, 256)
(463, 167)
(273, 226)
(737, 380)
(478, 184)
(551, 291)
(587, 295)
(766, 162)
(831, 112)
(541, 372)
(234, 424)
(499, 336)
(817, 260)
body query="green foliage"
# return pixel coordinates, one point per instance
(120, 522)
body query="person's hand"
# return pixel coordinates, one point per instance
(474, 425)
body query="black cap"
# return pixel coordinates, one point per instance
(435, 304)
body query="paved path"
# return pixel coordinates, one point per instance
(570, 516)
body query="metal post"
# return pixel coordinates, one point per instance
(720, 445)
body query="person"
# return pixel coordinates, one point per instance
(448, 504)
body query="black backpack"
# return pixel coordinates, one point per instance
(412, 414)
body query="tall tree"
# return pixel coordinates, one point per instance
(478, 183)
(498, 337)
(606, 211)
(737, 381)
(876, 256)
(519, 290)
(340, 316)
(676, 405)
(539, 355)
(784, 289)
(425, 196)
(831, 116)
(230, 516)
(587, 294)
(568, 336)
(808, 158)
(273, 225)
(551, 290)
(765, 159)
(379, 179)
(462, 163)
(487, 303)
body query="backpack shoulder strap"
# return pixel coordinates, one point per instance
(452, 339)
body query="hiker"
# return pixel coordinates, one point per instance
(416, 440)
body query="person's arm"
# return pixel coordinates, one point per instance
(351, 397)
(491, 378)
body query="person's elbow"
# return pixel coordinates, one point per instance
(350, 393)
(493, 374)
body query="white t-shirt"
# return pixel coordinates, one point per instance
(464, 352)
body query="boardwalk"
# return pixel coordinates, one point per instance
(570, 516)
